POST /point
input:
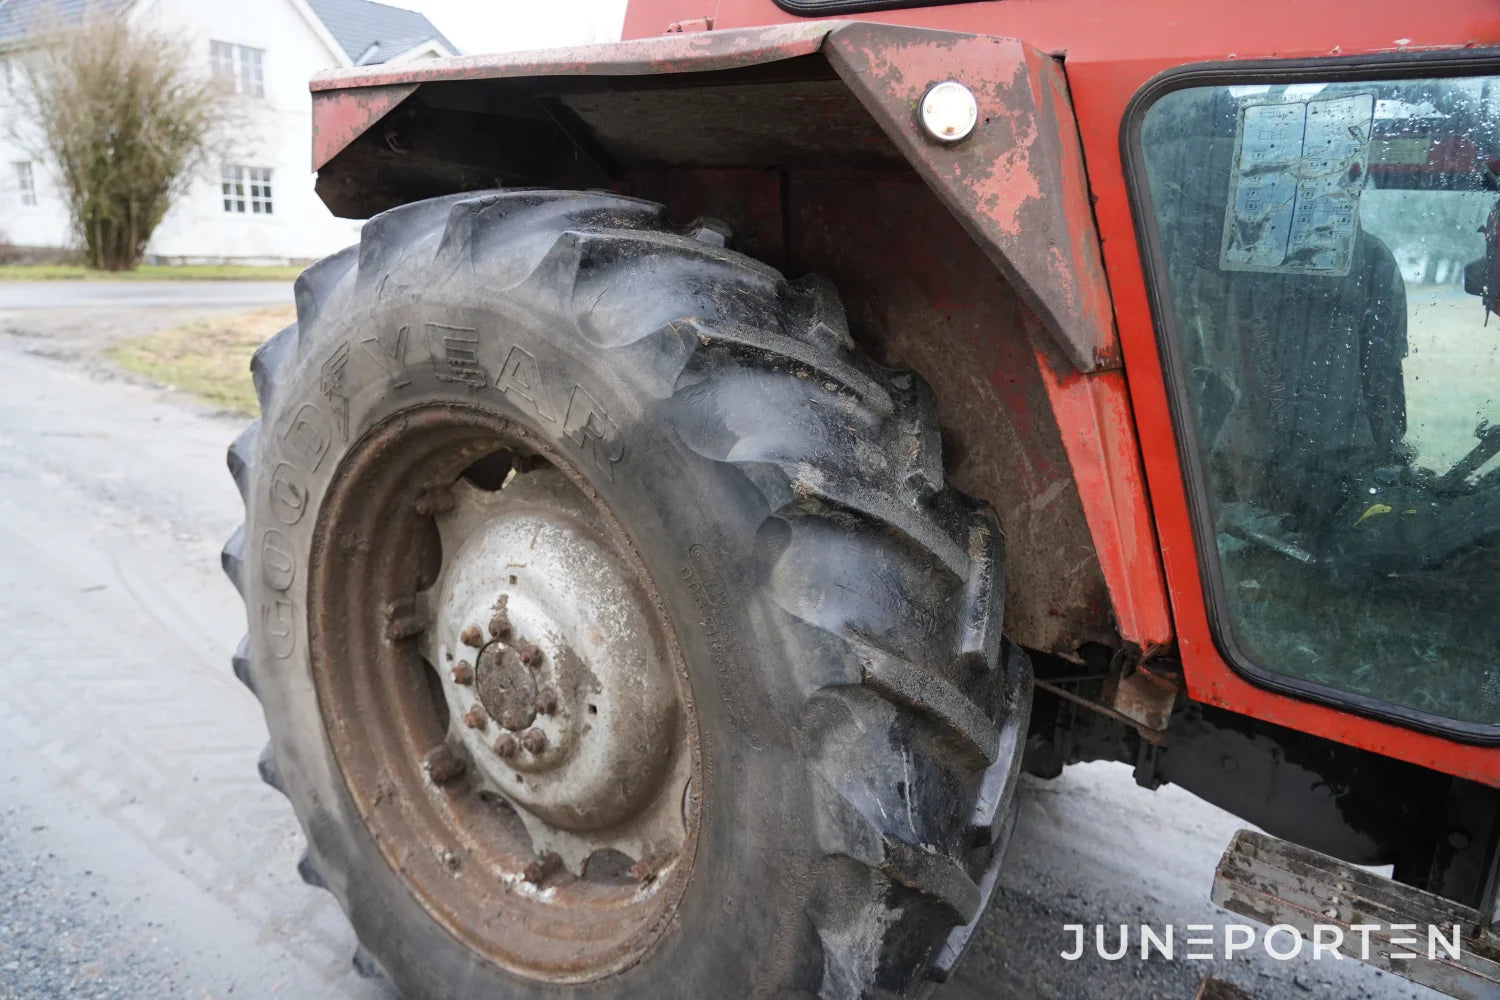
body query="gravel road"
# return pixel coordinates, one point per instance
(140, 857)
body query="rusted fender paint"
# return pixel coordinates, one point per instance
(694, 52)
(340, 116)
(1093, 417)
(1017, 184)
(690, 52)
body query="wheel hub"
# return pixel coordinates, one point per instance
(570, 708)
(506, 687)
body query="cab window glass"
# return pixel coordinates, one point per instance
(1329, 255)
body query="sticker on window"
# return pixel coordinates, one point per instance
(1299, 168)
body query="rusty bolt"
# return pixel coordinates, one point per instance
(500, 621)
(403, 628)
(443, 765)
(471, 636)
(546, 703)
(463, 672)
(403, 620)
(507, 745)
(542, 866)
(530, 654)
(534, 740)
(475, 717)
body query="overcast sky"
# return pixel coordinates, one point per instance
(495, 25)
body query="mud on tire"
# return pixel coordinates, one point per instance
(859, 715)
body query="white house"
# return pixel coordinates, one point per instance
(257, 203)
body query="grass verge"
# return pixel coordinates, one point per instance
(209, 358)
(149, 272)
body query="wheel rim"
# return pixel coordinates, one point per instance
(503, 693)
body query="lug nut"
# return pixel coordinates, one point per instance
(443, 765)
(471, 636)
(463, 672)
(546, 703)
(475, 717)
(530, 654)
(534, 740)
(507, 745)
(540, 867)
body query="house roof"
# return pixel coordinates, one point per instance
(374, 32)
(19, 18)
(367, 32)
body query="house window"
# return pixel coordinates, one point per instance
(25, 182)
(239, 67)
(246, 189)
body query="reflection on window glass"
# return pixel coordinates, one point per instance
(1331, 261)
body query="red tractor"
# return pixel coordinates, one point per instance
(732, 456)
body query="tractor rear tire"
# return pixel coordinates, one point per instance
(848, 720)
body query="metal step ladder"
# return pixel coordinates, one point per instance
(1411, 933)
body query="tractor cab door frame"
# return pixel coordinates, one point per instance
(1250, 333)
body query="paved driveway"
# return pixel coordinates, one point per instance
(209, 294)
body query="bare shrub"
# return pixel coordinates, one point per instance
(126, 117)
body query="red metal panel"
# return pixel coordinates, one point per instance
(348, 101)
(340, 116)
(1093, 416)
(1149, 33)
(1017, 184)
(690, 52)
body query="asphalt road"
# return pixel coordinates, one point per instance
(140, 856)
(16, 295)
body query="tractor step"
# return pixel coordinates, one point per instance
(1338, 907)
